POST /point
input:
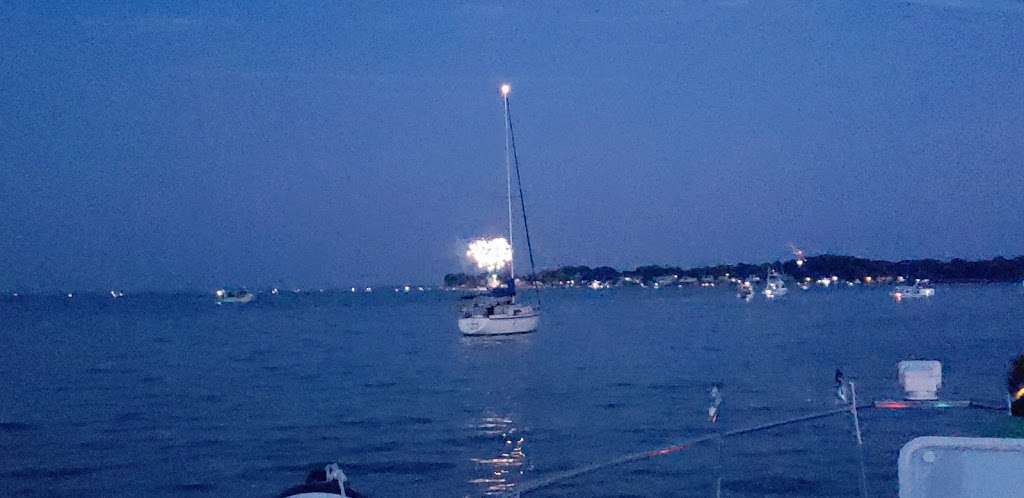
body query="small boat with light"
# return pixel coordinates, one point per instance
(688, 280)
(921, 288)
(774, 286)
(223, 296)
(745, 291)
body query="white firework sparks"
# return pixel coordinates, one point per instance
(801, 258)
(490, 254)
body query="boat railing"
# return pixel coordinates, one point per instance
(852, 408)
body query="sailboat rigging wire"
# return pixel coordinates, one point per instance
(522, 200)
(508, 189)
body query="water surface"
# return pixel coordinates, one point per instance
(171, 395)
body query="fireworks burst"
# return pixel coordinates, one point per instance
(801, 258)
(490, 254)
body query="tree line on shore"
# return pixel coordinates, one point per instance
(849, 268)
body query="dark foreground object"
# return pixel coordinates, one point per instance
(1015, 386)
(328, 480)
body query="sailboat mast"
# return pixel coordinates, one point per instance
(505, 89)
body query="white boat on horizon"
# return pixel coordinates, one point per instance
(241, 297)
(499, 313)
(921, 288)
(773, 285)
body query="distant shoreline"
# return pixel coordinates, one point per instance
(826, 266)
(843, 268)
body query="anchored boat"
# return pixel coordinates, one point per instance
(225, 296)
(921, 288)
(745, 291)
(774, 286)
(499, 312)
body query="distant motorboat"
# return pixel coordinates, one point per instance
(241, 296)
(665, 281)
(774, 286)
(921, 288)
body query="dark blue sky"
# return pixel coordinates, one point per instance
(188, 145)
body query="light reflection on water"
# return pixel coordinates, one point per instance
(499, 467)
(502, 470)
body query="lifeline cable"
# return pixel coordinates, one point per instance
(675, 448)
(643, 455)
(986, 406)
(534, 485)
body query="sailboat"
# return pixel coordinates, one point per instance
(499, 312)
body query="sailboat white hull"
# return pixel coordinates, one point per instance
(499, 325)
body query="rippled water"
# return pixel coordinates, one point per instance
(171, 395)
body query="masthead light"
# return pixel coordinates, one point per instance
(506, 89)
